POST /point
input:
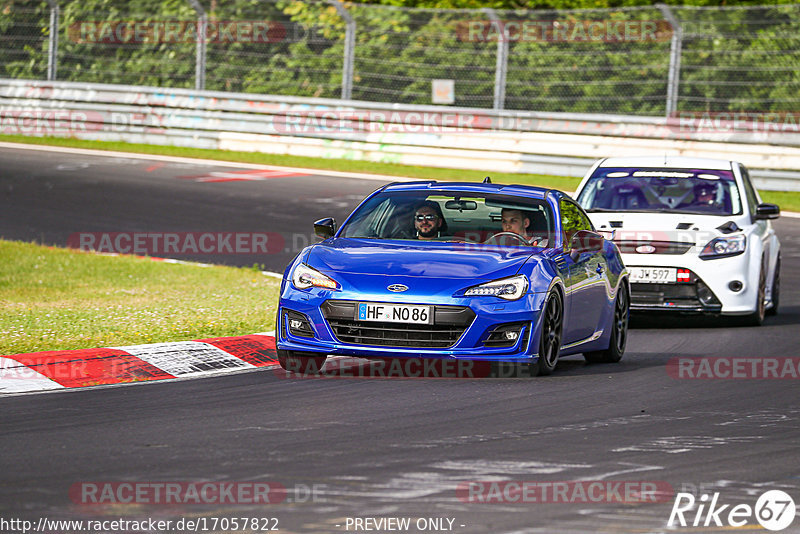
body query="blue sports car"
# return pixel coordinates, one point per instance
(472, 271)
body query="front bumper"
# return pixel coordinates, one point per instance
(724, 286)
(692, 297)
(462, 328)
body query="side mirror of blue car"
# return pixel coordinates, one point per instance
(325, 228)
(585, 241)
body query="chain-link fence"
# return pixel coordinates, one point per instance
(640, 60)
(24, 33)
(740, 59)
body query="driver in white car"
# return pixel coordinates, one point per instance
(704, 198)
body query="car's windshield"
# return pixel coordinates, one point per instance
(452, 216)
(710, 192)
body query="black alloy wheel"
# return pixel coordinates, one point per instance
(550, 340)
(619, 331)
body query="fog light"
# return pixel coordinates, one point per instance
(735, 286)
(704, 294)
(299, 324)
(505, 335)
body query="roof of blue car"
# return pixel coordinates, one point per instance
(470, 187)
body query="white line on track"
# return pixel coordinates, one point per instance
(208, 162)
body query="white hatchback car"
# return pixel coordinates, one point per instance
(693, 233)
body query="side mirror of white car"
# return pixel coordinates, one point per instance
(767, 211)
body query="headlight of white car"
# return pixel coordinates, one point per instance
(723, 247)
(304, 277)
(507, 288)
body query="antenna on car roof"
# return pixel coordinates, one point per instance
(487, 180)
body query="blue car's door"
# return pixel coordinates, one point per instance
(587, 296)
(588, 278)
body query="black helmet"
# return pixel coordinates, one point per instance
(705, 188)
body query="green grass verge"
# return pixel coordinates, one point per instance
(788, 201)
(53, 299)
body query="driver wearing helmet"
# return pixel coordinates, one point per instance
(704, 197)
(705, 194)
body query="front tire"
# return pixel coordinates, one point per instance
(619, 331)
(757, 317)
(776, 289)
(550, 338)
(303, 363)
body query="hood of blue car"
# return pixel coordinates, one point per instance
(430, 260)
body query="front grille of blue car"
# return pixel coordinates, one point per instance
(449, 323)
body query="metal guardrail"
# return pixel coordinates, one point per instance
(501, 141)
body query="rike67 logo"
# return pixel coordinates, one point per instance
(774, 510)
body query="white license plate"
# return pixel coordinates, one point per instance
(394, 313)
(653, 275)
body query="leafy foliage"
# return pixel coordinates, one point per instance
(742, 58)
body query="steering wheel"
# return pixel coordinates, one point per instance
(515, 235)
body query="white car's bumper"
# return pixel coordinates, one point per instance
(726, 286)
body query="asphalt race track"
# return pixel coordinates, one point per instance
(393, 447)
(50, 196)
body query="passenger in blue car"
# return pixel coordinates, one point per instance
(429, 220)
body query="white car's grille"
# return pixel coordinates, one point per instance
(660, 247)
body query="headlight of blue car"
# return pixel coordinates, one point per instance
(723, 247)
(304, 277)
(506, 288)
